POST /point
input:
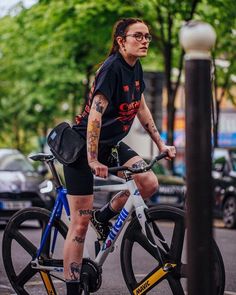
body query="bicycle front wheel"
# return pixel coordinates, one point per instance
(19, 247)
(141, 270)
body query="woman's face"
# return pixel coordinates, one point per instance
(136, 41)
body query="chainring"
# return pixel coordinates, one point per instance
(94, 273)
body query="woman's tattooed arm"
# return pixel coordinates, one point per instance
(98, 108)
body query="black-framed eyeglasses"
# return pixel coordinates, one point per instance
(139, 36)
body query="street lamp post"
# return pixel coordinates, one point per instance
(197, 39)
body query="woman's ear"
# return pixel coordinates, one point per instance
(120, 40)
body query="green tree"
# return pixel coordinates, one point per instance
(49, 53)
(222, 16)
(55, 48)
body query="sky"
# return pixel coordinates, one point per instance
(5, 5)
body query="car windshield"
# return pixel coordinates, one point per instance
(15, 162)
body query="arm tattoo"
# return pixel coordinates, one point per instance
(150, 129)
(92, 140)
(75, 269)
(98, 104)
(79, 240)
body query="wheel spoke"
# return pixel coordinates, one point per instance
(142, 240)
(24, 242)
(175, 285)
(160, 237)
(177, 241)
(25, 275)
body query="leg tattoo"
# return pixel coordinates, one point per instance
(79, 240)
(140, 164)
(75, 269)
(85, 212)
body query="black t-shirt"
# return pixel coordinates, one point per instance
(122, 85)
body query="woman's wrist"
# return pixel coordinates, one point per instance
(160, 145)
(92, 161)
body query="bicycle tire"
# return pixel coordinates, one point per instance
(14, 237)
(135, 245)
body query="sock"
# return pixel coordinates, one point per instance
(72, 287)
(105, 213)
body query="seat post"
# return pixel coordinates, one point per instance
(55, 175)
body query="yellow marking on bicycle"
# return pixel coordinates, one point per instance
(155, 277)
(47, 283)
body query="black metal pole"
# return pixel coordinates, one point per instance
(199, 186)
(198, 169)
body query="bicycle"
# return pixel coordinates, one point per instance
(144, 237)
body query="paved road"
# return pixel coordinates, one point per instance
(112, 277)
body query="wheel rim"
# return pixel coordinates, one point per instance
(19, 248)
(174, 282)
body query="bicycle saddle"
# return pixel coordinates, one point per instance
(42, 157)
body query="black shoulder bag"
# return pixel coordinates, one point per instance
(65, 143)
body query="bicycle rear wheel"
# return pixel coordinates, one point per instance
(141, 270)
(19, 248)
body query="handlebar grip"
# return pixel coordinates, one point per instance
(137, 170)
(117, 169)
(161, 156)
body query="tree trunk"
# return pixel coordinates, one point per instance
(170, 99)
(216, 131)
(74, 104)
(87, 85)
(218, 98)
(16, 133)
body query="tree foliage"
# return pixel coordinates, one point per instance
(222, 16)
(49, 53)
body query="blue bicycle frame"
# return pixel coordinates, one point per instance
(61, 201)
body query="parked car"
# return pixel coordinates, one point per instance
(171, 189)
(21, 184)
(224, 180)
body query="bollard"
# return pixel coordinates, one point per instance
(197, 39)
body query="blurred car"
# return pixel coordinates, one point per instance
(224, 181)
(171, 189)
(21, 185)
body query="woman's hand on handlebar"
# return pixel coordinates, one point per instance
(170, 149)
(99, 169)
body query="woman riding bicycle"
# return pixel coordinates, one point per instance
(115, 99)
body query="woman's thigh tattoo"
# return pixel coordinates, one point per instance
(140, 164)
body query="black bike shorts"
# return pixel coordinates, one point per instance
(78, 176)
